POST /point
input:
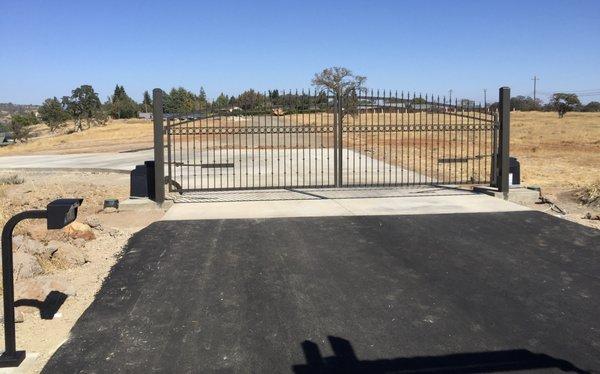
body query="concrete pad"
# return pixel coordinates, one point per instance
(516, 194)
(138, 204)
(279, 168)
(407, 205)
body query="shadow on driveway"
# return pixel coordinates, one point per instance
(345, 360)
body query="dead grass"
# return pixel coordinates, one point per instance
(557, 152)
(11, 179)
(116, 136)
(590, 194)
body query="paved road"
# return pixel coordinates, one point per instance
(110, 161)
(429, 293)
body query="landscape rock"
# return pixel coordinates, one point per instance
(39, 288)
(53, 246)
(37, 231)
(80, 230)
(26, 265)
(68, 255)
(114, 232)
(31, 246)
(110, 210)
(93, 222)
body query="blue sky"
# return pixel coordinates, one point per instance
(49, 47)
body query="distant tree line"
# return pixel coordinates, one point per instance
(181, 101)
(559, 102)
(84, 109)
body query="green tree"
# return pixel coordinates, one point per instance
(222, 101)
(342, 83)
(20, 126)
(273, 94)
(201, 98)
(592, 106)
(180, 101)
(525, 103)
(121, 105)
(53, 114)
(147, 102)
(564, 102)
(84, 107)
(251, 100)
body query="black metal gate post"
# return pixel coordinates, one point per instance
(159, 148)
(340, 143)
(504, 140)
(494, 158)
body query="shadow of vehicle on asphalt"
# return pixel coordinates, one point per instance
(345, 360)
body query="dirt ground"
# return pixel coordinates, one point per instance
(562, 156)
(81, 282)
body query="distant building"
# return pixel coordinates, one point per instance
(145, 115)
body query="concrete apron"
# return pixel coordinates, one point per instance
(440, 202)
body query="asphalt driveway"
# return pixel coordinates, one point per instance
(467, 292)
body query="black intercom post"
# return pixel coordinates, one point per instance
(58, 214)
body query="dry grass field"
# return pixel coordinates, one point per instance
(116, 136)
(557, 152)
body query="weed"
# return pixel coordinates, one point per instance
(11, 179)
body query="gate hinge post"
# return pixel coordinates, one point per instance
(159, 148)
(504, 141)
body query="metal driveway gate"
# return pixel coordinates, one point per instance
(302, 140)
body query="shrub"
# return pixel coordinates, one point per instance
(20, 126)
(11, 179)
(53, 114)
(590, 194)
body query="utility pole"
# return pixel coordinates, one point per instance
(485, 97)
(535, 79)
